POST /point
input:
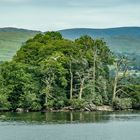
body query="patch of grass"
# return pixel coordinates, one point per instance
(11, 40)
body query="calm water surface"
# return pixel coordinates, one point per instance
(70, 126)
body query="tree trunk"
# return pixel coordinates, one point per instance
(46, 100)
(81, 88)
(94, 71)
(117, 78)
(115, 85)
(71, 82)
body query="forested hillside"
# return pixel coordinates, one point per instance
(120, 40)
(51, 72)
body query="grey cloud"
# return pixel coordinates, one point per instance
(83, 3)
(68, 3)
(58, 14)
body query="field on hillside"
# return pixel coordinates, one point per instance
(11, 40)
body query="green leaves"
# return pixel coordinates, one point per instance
(29, 101)
(48, 70)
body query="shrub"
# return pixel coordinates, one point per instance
(4, 103)
(50, 104)
(77, 103)
(98, 100)
(122, 104)
(35, 106)
(59, 103)
(136, 100)
(135, 95)
(29, 101)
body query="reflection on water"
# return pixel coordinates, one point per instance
(69, 117)
(70, 126)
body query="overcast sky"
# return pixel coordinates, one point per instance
(61, 14)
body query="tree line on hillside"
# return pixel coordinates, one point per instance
(50, 72)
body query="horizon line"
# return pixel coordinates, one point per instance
(102, 28)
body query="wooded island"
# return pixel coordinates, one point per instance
(52, 73)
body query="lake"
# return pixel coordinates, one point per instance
(70, 126)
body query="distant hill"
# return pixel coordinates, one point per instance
(120, 40)
(11, 40)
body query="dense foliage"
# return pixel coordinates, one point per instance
(50, 72)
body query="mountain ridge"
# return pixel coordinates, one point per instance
(119, 39)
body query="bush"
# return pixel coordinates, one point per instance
(50, 104)
(4, 103)
(77, 104)
(35, 106)
(59, 104)
(136, 100)
(98, 100)
(56, 103)
(135, 95)
(29, 101)
(122, 104)
(60, 99)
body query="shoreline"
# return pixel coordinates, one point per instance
(103, 108)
